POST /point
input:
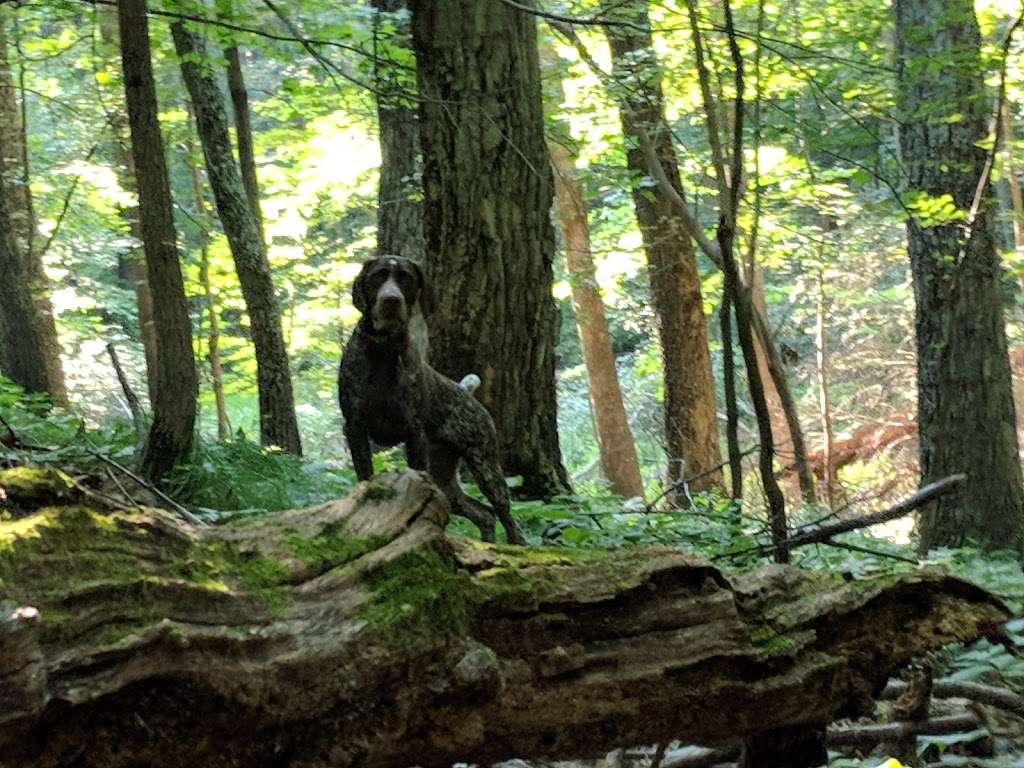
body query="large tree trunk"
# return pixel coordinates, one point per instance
(278, 425)
(965, 406)
(14, 175)
(174, 406)
(490, 244)
(400, 192)
(691, 426)
(356, 634)
(21, 349)
(615, 442)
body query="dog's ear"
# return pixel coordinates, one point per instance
(359, 297)
(426, 295)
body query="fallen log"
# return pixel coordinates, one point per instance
(357, 633)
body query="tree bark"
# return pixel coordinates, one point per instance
(132, 260)
(966, 413)
(1012, 179)
(278, 425)
(691, 426)
(489, 240)
(400, 192)
(356, 633)
(174, 407)
(14, 175)
(243, 135)
(615, 443)
(21, 348)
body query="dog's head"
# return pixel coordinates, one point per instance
(387, 291)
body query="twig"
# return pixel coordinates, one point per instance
(121, 487)
(149, 486)
(908, 505)
(138, 418)
(867, 551)
(659, 755)
(982, 694)
(679, 484)
(869, 735)
(590, 21)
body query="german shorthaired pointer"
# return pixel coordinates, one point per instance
(390, 395)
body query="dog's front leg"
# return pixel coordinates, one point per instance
(359, 446)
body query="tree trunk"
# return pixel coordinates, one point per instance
(21, 349)
(824, 402)
(691, 426)
(278, 425)
(14, 175)
(781, 436)
(212, 308)
(490, 244)
(174, 407)
(1013, 181)
(400, 192)
(965, 406)
(132, 260)
(611, 427)
(243, 134)
(356, 634)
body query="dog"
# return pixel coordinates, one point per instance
(389, 394)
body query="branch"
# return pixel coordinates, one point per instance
(556, 17)
(693, 229)
(954, 689)
(869, 735)
(905, 507)
(133, 401)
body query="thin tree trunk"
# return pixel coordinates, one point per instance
(174, 407)
(1013, 180)
(614, 440)
(965, 405)
(132, 261)
(691, 425)
(15, 177)
(824, 404)
(243, 135)
(732, 414)
(400, 193)
(781, 435)
(212, 308)
(278, 425)
(490, 243)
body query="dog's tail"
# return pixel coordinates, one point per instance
(470, 382)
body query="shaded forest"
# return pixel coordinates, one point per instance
(739, 285)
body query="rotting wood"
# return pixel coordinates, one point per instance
(357, 633)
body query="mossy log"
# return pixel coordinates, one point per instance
(356, 633)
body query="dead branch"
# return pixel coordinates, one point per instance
(866, 736)
(905, 507)
(1001, 698)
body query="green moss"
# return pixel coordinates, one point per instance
(331, 548)
(418, 597)
(770, 640)
(378, 490)
(35, 482)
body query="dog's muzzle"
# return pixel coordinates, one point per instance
(390, 312)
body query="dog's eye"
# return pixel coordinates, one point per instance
(404, 279)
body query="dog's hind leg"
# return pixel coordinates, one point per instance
(485, 469)
(443, 470)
